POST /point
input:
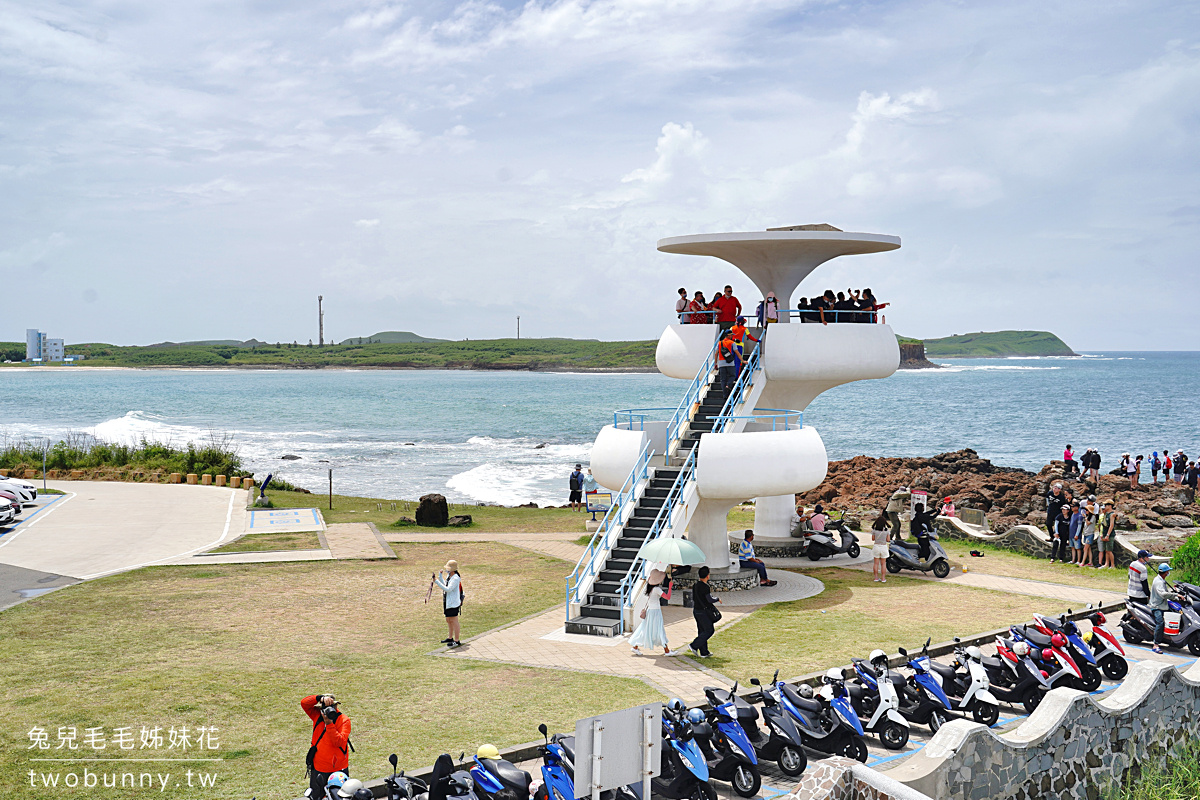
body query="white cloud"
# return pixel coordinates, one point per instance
(366, 223)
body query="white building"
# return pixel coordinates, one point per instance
(40, 348)
(683, 472)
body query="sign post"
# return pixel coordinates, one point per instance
(617, 749)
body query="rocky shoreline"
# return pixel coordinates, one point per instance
(1008, 496)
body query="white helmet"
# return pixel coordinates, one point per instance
(1021, 648)
(805, 691)
(349, 788)
(833, 675)
(974, 653)
(877, 655)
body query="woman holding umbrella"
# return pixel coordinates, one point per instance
(652, 633)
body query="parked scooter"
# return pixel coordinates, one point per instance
(923, 700)
(558, 770)
(831, 727)
(723, 740)
(449, 781)
(876, 699)
(402, 787)
(835, 539)
(1089, 671)
(906, 555)
(684, 772)
(492, 773)
(782, 741)
(966, 681)
(1051, 656)
(1182, 629)
(1109, 652)
(1014, 676)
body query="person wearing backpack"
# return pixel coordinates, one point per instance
(576, 485)
(1179, 467)
(1155, 466)
(452, 600)
(329, 751)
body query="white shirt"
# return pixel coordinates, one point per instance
(451, 588)
(1137, 574)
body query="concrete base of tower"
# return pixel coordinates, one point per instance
(773, 516)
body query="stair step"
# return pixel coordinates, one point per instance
(607, 587)
(603, 612)
(653, 493)
(594, 626)
(639, 523)
(652, 502)
(610, 575)
(625, 553)
(618, 565)
(603, 599)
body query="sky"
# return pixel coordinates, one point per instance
(202, 170)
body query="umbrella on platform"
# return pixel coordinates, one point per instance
(672, 551)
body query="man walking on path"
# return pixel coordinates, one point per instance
(895, 505)
(728, 307)
(704, 611)
(1139, 577)
(330, 745)
(576, 484)
(1160, 596)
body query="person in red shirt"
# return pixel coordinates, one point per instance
(728, 307)
(330, 738)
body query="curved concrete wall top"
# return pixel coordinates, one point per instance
(614, 454)
(801, 361)
(738, 466)
(683, 348)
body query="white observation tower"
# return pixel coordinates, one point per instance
(681, 470)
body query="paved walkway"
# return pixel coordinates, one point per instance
(356, 540)
(557, 545)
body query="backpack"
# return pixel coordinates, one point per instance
(576, 481)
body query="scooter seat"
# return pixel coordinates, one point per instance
(907, 545)
(508, 773)
(1036, 637)
(568, 746)
(945, 670)
(991, 662)
(799, 702)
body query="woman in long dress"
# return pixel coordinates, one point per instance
(652, 633)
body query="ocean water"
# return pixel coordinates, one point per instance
(513, 437)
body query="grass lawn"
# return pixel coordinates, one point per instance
(237, 646)
(264, 542)
(853, 616)
(1008, 564)
(488, 519)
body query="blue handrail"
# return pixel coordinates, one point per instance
(847, 316)
(744, 380)
(586, 565)
(782, 419)
(683, 414)
(636, 416)
(656, 528)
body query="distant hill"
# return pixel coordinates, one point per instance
(998, 344)
(391, 337)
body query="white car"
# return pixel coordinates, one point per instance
(8, 514)
(22, 491)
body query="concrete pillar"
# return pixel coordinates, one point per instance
(220, 480)
(30, 474)
(247, 483)
(175, 478)
(3, 473)
(206, 479)
(709, 530)
(773, 515)
(192, 478)
(235, 482)
(76, 474)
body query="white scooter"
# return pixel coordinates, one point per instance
(875, 695)
(972, 691)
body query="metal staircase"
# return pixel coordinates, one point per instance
(605, 580)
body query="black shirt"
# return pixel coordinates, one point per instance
(702, 598)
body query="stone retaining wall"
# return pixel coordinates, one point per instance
(1073, 746)
(840, 778)
(1027, 539)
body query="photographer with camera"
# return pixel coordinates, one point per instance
(330, 745)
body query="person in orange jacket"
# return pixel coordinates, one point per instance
(740, 335)
(330, 751)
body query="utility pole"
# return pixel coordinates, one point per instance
(518, 326)
(320, 322)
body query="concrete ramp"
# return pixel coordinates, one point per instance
(284, 520)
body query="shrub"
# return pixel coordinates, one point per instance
(1186, 560)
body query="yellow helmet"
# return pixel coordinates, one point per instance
(488, 751)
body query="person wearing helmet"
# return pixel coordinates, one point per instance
(329, 750)
(1160, 596)
(350, 789)
(1139, 577)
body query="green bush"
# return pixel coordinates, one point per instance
(1178, 780)
(217, 456)
(1186, 561)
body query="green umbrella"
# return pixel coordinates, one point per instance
(672, 551)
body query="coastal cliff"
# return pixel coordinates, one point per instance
(912, 356)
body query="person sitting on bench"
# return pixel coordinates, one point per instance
(747, 560)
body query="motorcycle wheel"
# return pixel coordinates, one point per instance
(746, 781)
(813, 555)
(704, 791)
(1115, 668)
(1032, 699)
(893, 566)
(986, 713)
(1131, 637)
(854, 550)
(856, 748)
(1194, 644)
(1091, 679)
(941, 569)
(893, 735)
(936, 720)
(792, 761)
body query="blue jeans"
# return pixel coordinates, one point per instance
(758, 565)
(1159, 626)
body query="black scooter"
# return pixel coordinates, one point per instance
(782, 742)
(402, 787)
(837, 538)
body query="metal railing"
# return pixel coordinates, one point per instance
(661, 521)
(737, 395)
(711, 316)
(840, 317)
(586, 566)
(691, 399)
(636, 417)
(781, 419)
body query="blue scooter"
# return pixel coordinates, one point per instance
(826, 724)
(924, 701)
(492, 774)
(558, 770)
(684, 773)
(727, 748)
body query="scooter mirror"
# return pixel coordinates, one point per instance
(755, 682)
(393, 760)
(957, 640)
(902, 652)
(543, 730)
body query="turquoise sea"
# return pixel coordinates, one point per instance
(512, 437)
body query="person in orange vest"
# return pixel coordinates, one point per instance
(728, 361)
(330, 750)
(740, 335)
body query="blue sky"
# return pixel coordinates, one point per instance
(204, 170)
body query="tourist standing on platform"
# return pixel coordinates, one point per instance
(728, 308)
(329, 748)
(1061, 541)
(1155, 466)
(895, 505)
(1192, 476)
(1160, 596)
(879, 548)
(704, 611)
(771, 308)
(652, 633)
(681, 305)
(1077, 514)
(747, 559)
(1090, 519)
(575, 483)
